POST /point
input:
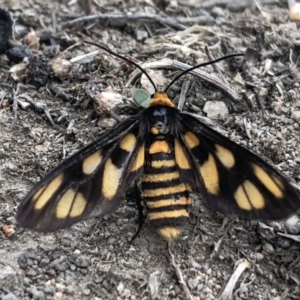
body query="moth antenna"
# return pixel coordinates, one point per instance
(125, 59)
(202, 65)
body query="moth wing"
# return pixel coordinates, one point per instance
(232, 179)
(88, 183)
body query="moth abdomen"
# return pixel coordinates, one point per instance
(166, 196)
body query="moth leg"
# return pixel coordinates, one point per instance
(141, 220)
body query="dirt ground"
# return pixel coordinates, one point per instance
(93, 259)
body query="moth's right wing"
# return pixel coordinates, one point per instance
(232, 179)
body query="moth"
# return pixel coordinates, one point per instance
(171, 153)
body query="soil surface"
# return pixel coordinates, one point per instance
(53, 104)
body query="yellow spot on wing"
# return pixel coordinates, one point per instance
(161, 98)
(168, 214)
(91, 162)
(71, 204)
(278, 182)
(180, 156)
(139, 160)
(272, 184)
(42, 198)
(158, 164)
(168, 202)
(210, 175)
(111, 179)
(242, 199)
(191, 139)
(160, 177)
(170, 234)
(225, 156)
(38, 193)
(159, 146)
(164, 191)
(128, 142)
(248, 196)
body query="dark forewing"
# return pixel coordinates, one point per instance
(89, 183)
(232, 179)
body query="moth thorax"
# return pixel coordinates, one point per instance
(160, 121)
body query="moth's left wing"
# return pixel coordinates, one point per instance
(89, 183)
(232, 179)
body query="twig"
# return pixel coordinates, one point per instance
(54, 22)
(58, 91)
(178, 273)
(66, 50)
(70, 126)
(254, 88)
(171, 48)
(218, 243)
(216, 248)
(15, 107)
(248, 100)
(64, 151)
(184, 89)
(265, 15)
(290, 236)
(215, 66)
(44, 107)
(247, 128)
(40, 106)
(202, 20)
(242, 265)
(139, 16)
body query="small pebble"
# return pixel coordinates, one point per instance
(193, 283)
(6, 272)
(292, 224)
(18, 53)
(295, 115)
(9, 296)
(141, 35)
(215, 109)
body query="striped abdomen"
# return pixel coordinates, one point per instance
(166, 197)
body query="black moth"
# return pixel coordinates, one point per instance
(171, 153)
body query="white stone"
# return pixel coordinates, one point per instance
(215, 109)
